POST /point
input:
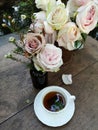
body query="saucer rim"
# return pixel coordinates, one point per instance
(39, 111)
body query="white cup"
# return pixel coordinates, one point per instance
(67, 97)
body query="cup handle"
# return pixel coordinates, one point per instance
(73, 97)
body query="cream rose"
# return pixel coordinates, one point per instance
(34, 42)
(87, 17)
(81, 2)
(71, 7)
(49, 59)
(58, 17)
(68, 35)
(43, 4)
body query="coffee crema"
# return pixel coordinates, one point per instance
(54, 101)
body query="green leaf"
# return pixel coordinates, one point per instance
(18, 50)
(78, 44)
(84, 36)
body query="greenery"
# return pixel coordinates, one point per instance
(20, 17)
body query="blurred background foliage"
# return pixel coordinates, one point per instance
(15, 15)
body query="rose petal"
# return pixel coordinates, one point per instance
(48, 28)
(67, 78)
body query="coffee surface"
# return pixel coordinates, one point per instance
(54, 101)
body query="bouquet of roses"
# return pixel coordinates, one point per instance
(56, 22)
(72, 21)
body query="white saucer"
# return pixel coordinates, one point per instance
(53, 120)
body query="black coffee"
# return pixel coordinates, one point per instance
(54, 101)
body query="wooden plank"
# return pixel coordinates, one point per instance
(15, 85)
(85, 88)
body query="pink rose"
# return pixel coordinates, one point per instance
(49, 59)
(34, 42)
(87, 17)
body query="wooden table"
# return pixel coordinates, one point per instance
(17, 93)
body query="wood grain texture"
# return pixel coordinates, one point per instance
(15, 83)
(86, 114)
(16, 88)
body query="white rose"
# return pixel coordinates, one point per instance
(43, 4)
(96, 1)
(40, 23)
(58, 17)
(87, 17)
(68, 35)
(71, 7)
(49, 59)
(37, 25)
(40, 15)
(48, 28)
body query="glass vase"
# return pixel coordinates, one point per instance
(39, 78)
